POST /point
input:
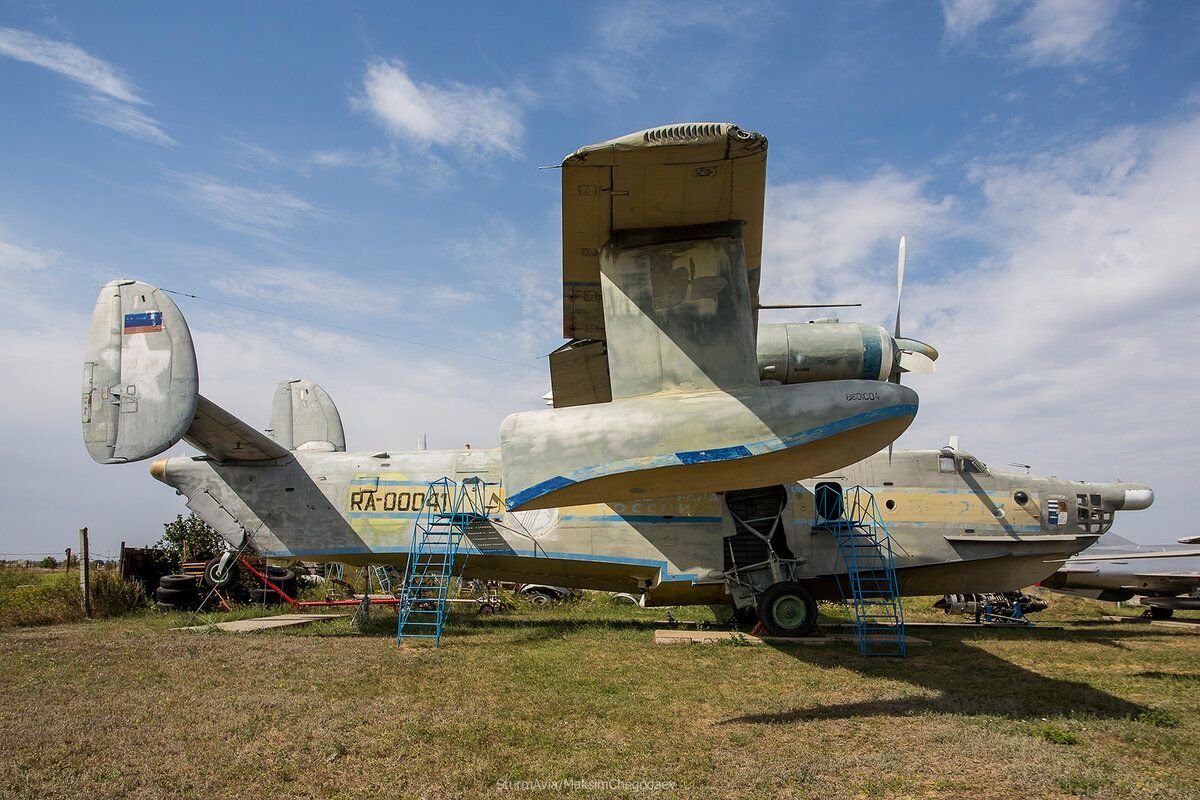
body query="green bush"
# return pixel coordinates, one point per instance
(112, 597)
(46, 599)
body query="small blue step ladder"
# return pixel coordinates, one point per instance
(448, 510)
(865, 548)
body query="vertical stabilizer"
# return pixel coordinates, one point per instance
(303, 417)
(139, 374)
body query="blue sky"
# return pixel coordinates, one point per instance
(375, 167)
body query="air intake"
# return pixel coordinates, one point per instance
(690, 132)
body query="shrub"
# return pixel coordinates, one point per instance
(112, 596)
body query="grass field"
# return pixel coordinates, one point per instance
(577, 700)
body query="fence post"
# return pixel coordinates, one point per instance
(85, 568)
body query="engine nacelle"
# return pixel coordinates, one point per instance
(825, 351)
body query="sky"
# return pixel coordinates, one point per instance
(346, 188)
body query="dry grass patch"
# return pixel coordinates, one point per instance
(581, 694)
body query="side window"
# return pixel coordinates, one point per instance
(828, 498)
(946, 464)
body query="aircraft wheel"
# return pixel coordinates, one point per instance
(1161, 613)
(215, 577)
(787, 609)
(540, 598)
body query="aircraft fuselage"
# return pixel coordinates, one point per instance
(955, 526)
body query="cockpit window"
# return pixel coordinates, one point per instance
(946, 464)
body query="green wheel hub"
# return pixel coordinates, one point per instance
(789, 611)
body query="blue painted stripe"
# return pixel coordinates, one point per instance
(716, 454)
(651, 518)
(545, 487)
(731, 453)
(872, 354)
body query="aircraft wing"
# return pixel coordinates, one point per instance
(226, 438)
(1189, 540)
(674, 178)
(1128, 556)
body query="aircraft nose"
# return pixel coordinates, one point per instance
(1138, 498)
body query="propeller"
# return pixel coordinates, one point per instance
(915, 355)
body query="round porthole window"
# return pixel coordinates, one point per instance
(891, 505)
(1021, 497)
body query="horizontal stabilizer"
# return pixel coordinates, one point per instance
(226, 438)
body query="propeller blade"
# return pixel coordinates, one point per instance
(912, 361)
(899, 285)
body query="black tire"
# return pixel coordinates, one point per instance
(165, 607)
(745, 616)
(268, 596)
(787, 609)
(277, 574)
(176, 597)
(1161, 613)
(214, 578)
(180, 582)
(540, 598)
(486, 609)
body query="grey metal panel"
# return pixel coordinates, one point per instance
(685, 174)
(677, 310)
(304, 415)
(226, 438)
(139, 377)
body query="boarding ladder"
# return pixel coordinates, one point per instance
(870, 584)
(449, 508)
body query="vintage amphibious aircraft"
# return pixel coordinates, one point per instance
(670, 462)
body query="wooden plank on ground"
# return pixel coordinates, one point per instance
(263, 623)
(716, 637)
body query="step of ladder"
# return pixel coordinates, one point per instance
(437, 536)
(865, 548)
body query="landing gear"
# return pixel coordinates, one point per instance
(1155, 612)
(220, 571)
(787, 609)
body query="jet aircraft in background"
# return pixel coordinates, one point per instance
(1163, 579)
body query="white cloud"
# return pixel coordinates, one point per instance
(68, 60)
(1068, 341)
(629, 33)
(114, 100)
(15, 258)
(290, 286)
(1064, 32)
(475, 121)
(124, 118)
(1056, 33)
(821, 236)
(259, 212)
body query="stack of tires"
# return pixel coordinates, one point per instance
(176, 592)
(285, 579)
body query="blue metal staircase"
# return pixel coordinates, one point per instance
(865, 548)
(448, 510)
